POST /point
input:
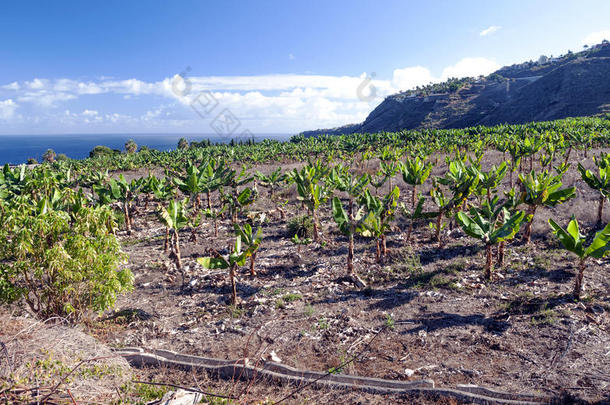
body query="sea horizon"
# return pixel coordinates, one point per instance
(17, 149)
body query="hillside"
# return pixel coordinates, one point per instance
(575, 84)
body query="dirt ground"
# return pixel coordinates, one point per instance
(521, 333)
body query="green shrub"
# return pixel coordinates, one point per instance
(301, 225)
(61, 264)
(101, 150)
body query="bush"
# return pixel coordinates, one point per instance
(62, 157)
(131, 146)
(62, 264)
(183, 144)
(301, 225)
(101, 150)
(49, 156)
(32, 161)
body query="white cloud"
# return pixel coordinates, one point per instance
(470, 67)
(291, 57)
(271, 103)
(411, 77)
(7, 109)
(11, 86)
(490, 30)
(596, 37)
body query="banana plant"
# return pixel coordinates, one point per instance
(191, 184)
(516, 154)
(573, 241)
(414, 214)
(214, 175)
(174, 218)
(388, 169)
(600, 183)
(300, 242)
(445, 205)
(377, 222)
(214, 214)
(542, 189)
(341, 179)
(12, 181)
(415, 172)
(348, 225)
(491, 179)
(238, 257)
(491, 223)
(312, 192)
(529, 147)
(235, 202)
(119, 190)
(273, 182)
(250, 239)
(461, 180)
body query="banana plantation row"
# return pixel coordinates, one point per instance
(59, 254)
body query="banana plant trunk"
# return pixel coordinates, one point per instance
(565, 162)
(316, 235)
(501, 254)
(600, 209)
(384, 246)
(488, 262)
(350, 256)
(378, 250)
(252, 259)
(439, 221)
(527, 237)
(209, 200)
(166, 245)
(579, 277)
(177, 250)
(126, 213)
(413, 193)
(233, 284)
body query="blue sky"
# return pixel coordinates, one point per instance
(270, 66)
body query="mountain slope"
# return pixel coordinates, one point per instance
(571, 85)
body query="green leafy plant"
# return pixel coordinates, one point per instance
(380, 213)
(300, 242)
(415, 172)
(239, 255)
(491, 224)
(349, 223)
(60, 263)
(250, 239)
(417, 213)
(542, 189)
(600, 183)
(174, 218)
(573, 241)
(311, 191)
(273, 182)
(120, 190)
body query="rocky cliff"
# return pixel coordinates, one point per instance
(570, 85)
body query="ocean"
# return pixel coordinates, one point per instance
(17, 149)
